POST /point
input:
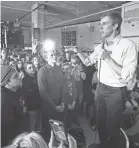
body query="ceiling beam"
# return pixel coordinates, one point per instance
(105, 4)
(31, 11)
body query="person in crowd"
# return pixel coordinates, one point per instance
(79, 75)
(28, 57)
(11, 105)
(69, 95)
(35, 140)
(18, 57)
(95, 79)
(12, 63)
(92, 105)
(59, 61)
(23, 60)
(117, 62)
(88, 104)
(68, 56)
(63, 55)
(32, 97)
(36, 63)
(4, 55)
(12, 56)
(50, 82)
(20, 68)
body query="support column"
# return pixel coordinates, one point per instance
(37, 25)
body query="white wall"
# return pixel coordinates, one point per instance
(87, 35)
(130, 25)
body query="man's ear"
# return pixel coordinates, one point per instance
(115, 26)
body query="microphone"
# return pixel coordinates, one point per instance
(105, 54)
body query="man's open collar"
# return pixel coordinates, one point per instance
(115, 40)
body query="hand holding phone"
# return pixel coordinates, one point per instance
(72, 142)
(60, 133)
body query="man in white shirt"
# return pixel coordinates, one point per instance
(117, 62)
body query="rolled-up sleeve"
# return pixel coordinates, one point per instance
(129, 62)
(90, 60)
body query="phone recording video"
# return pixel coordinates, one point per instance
(59, 131)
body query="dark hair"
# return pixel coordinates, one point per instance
(33, 57)
(116, 19)
(11, 60)
(27, 63)
(18, 70)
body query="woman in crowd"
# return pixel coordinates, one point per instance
(11, 105)
(34, 140)
(12, 63)
(20, 68)
(69, 95)
(32, 97)
(87, 105)
(68, 56)
(36, 62)
(4, 55)
(79, 76)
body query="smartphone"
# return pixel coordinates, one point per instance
(59, 131)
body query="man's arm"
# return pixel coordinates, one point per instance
(82, 57)
(87, 61)
(43, 88)
(127, 70)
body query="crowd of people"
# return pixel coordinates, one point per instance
(65, 84)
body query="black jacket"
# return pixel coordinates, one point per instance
(11, 114)
(31, 93)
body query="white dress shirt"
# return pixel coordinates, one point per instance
(124, 53)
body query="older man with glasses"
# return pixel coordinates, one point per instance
(50, 82)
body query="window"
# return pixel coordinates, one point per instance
(68, 37)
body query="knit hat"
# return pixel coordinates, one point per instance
(6, 72)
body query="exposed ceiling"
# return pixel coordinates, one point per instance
(56, 11)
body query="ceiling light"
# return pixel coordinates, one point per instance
(49, 45)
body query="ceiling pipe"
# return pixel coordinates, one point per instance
(28, 10)
(62, 23)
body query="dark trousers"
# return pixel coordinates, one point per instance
(70, 117)
(48, 112)
(35, 120)
(109, 108)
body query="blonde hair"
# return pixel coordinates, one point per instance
(29, 140)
